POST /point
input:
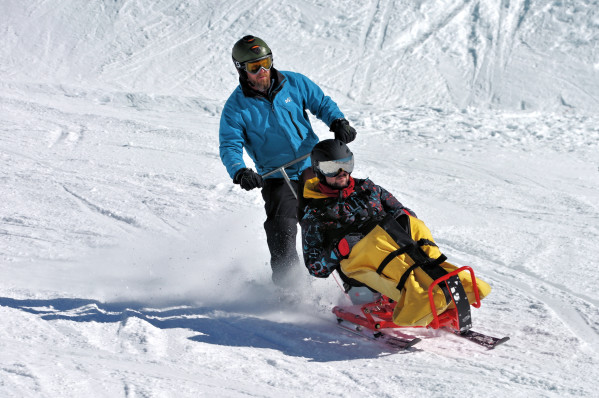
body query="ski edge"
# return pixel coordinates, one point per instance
(482, 339)
(379, 336)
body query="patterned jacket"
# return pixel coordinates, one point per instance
(327, 219)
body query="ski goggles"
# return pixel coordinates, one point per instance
(332, 168)
(254, 67)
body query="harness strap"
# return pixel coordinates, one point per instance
(363, 228)
(399, 229)
(460, 299)
(391, 256)
(428, 267)
(426, 242)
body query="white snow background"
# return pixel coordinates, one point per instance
(131, 266)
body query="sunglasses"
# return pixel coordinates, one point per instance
(331, 168)
(254, 67)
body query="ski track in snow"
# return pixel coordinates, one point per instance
(130, 266)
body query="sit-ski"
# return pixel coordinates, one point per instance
(376, 318)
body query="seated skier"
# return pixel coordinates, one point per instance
(337, 204)
(339, 213)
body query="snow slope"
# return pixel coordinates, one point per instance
(131, 266)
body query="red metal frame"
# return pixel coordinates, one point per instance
(450, 316)
(378, 315)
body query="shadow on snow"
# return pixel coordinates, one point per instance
(319, 342)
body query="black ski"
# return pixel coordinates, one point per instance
(482, 339)
(400, 343)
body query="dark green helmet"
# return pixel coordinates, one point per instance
(249, 48)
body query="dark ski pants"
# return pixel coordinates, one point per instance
(281, 228)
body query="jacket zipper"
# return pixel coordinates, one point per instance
(295, 125)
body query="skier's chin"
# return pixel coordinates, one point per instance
(340, 185)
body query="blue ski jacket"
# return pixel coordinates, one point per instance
(274, 129)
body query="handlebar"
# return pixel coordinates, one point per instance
(282, 168)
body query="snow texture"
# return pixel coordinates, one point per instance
(131, 266)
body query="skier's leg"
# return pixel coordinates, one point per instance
(358, 292)
(281, 229)
(281, 235)
(362, 294)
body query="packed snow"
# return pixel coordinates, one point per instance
(131, 266)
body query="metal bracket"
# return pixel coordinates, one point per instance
(281, 170)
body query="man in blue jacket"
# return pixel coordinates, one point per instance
(266, 115)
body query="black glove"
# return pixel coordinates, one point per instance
(343, 131)
(248, 179)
